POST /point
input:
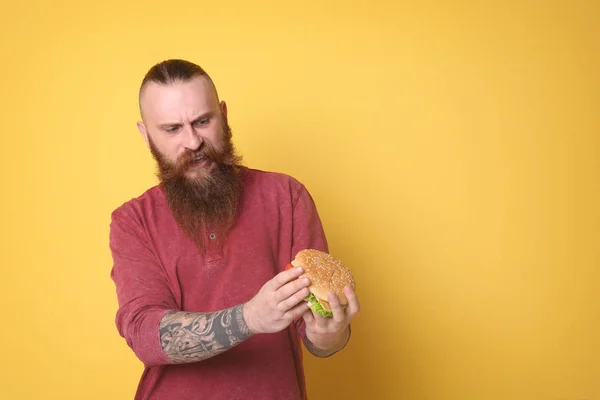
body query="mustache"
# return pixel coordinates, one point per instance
(226, 157)
(207, 151)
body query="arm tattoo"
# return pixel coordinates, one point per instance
(188, 337)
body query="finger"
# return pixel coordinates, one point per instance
(284, 277)
(353, 304)
(336, 308)
(290, 288)
(297, 311)
(322, 322)
(293, 300)
(308, 316)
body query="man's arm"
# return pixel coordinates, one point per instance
(321, 337)
(189, 337)
(148, 309)
(326, 336)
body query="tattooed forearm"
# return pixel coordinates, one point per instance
(189, 337)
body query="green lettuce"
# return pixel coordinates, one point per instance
(314, 305)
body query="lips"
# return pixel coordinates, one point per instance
(198, 161)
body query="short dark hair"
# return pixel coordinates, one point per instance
(171, 71)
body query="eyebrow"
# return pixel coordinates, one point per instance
(174, 124)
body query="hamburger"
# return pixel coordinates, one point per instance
(326, 274)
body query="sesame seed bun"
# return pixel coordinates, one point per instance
(326, 274)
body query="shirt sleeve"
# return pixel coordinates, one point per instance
(308, 233)
(142, 287)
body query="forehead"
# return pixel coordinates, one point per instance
(178, 99)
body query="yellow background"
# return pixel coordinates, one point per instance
(452, 149)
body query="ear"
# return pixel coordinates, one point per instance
(224, 108)
(142, 128)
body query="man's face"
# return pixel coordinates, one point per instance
(187, 131)
(182, 121)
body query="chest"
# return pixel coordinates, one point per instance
(231, 272)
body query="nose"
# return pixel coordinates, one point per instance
(191, 140)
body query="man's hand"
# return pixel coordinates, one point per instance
(329, 335)
(278, 303)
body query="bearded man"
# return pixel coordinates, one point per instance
(198, 260)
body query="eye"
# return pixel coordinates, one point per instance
(202, 122)
(171, 129)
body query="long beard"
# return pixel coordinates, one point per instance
(208, 203)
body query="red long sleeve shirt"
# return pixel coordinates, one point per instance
(157, 269)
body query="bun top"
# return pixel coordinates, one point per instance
(326, 274)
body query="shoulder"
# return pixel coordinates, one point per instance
(135, 208)
(272, 181)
